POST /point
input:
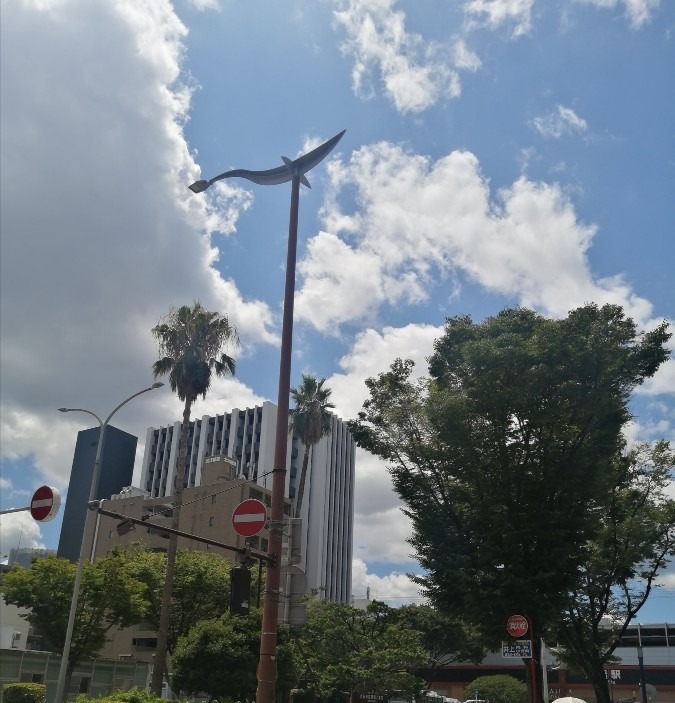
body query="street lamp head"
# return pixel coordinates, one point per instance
(63, 410)
(199, 186)
(157, 384)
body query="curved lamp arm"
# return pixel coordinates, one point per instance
(281, 174)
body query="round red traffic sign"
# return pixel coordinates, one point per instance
(517, 625)
(45, 504)
(249, 517)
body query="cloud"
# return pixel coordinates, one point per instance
(372, 352)
(19, 529)
(638, 12)
(420, 222)
(415, 73)
(100, 235)
(496, 13)
(395, 588)
(559, 123)
(205, 4)
(381, 530)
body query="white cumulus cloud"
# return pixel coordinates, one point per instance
(559, 123)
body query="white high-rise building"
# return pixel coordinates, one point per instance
(247, 436)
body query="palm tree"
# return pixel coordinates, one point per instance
(190, 342)
(310, 420)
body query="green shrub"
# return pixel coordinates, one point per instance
(133, 695)
(497, 689)
(24, 693)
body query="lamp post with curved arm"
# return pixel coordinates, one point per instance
(293, 171)
(58, 697)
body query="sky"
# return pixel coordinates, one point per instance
(497, 153)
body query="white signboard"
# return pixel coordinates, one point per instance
(517, 648)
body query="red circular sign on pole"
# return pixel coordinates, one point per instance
(249, 517)
(45, 504)
(517, 625)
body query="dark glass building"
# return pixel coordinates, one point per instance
(117, 468)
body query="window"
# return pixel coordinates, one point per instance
(211, 519)
(28, 677)
(213, 500)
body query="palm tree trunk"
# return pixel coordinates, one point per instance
(165, 613)
(301, 486)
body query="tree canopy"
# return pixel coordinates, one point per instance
(345, 649)
(446, 639)
(310, 420)
(201, 587)
(635, 541)
(503, 454)
(220, 657)
(46, 589)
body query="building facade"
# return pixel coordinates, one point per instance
(117, 468)
(206, 512)
(657, 643)
(247, 437)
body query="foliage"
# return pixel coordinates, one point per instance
(133, 695)
(345, 649)
(190, 347)
(634, 543)
(46, 589)
(220, 658)
(310, 420)
(24, 693)
(504, 455)
(191, 341)
(201, 587)
(445, 639)
(497, 689)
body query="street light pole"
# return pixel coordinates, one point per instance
(293, 171)
(643, 683)
(103, 424)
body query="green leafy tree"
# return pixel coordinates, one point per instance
(220, 658)
(310, 420)
(445, 639)
(201, 588)
(633, 545)
(46, 590)
(191, 342)
(497, 689)
(503, 455)
(345, 649)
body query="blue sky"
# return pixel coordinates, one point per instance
(497, 152)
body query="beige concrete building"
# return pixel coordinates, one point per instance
(206, 512)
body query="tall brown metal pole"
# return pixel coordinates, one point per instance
(267, 664)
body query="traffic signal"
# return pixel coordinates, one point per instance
(240, 590)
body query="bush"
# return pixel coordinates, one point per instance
(24, 693)
(133, 695)
(497, 689)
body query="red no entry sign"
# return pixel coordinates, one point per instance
(249, 517)
(517, 625)
(45, 504)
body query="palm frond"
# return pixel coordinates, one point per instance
(191, 341)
